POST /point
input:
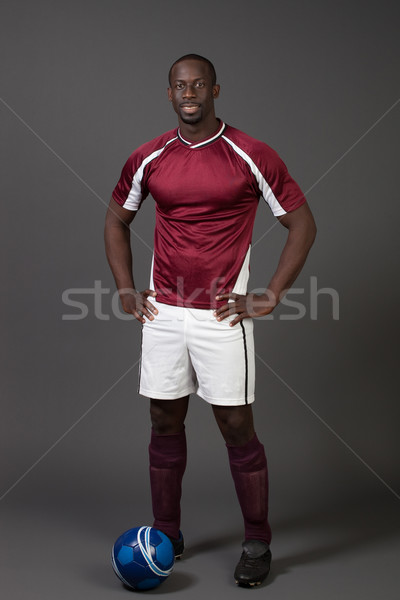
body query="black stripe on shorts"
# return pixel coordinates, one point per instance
(245, 361)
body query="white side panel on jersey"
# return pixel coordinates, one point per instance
(135, 195)
(151, 274)
(240, 286)
(265, 189)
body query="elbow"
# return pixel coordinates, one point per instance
(310, 229)
(312, 232)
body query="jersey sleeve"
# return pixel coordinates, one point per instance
(277, 187)
(130, 190)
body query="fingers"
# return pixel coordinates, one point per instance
(236, 305)
(245, 306)
(136, 304)
(227, 310)
(144, 308)
(139, 316)
(231, 296)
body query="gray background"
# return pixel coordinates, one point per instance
(83, 84)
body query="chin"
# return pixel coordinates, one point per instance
(190, 119)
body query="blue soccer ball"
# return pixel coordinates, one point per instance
(143, 557)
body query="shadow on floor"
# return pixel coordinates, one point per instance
(321, 535)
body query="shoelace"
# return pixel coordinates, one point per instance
(249, 561)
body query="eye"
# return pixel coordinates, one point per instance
(200, 84)
(179, 86)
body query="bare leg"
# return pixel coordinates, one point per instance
(235, 423)
(168, 416)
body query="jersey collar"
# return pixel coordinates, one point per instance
(205, 142)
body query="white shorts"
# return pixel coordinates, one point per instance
(186, 350)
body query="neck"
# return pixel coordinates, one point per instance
(199, 131)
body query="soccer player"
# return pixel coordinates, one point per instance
(206, 179)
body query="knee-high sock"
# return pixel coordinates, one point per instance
(167, 455)
(250, 475)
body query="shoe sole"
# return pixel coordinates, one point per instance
(250, 584)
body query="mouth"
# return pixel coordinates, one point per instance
(190, 108)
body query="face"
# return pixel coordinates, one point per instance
(192, 93)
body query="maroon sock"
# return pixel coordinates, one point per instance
(250, 475)
(167, 455)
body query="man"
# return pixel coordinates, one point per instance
(206, 179)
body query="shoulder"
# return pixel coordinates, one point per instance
(150, 149)
(248, 144)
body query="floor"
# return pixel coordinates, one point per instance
(56, 547)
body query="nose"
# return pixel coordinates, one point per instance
(189, 91)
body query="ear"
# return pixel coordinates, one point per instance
(216, 89)
(169, 92)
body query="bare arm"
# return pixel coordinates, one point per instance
(119, 255)
(302, 230)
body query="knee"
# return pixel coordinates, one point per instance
(236, 426)
(160, 420)
(163, 420)
(236, 435)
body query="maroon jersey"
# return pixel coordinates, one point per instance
(206, 196)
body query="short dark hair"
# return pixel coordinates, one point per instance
(195, 57)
